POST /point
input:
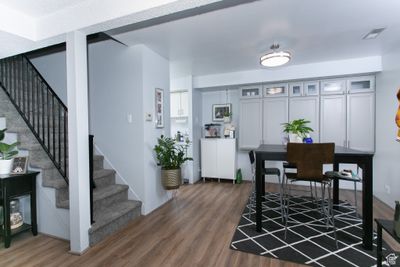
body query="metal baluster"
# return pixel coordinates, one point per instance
(59, 134)
(54, 126)
(65, 140)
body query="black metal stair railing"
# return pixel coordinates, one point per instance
(40, 107)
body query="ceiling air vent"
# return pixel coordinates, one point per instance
(373, 34)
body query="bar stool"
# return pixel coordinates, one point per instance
(265, 171)
(355, 178)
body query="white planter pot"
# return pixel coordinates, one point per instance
(227, 119)
(5, 166)
(295, 138)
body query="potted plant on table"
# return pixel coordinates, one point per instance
(170, 156)
(7, 153)
(227, 116)
(297, 130)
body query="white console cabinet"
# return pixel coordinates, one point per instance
(218, 158)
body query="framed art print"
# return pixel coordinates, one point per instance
(159, 108)
(219, 110)
(19, 165)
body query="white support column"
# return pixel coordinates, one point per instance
(78, 144)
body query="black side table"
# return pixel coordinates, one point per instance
(386, 225)
(12, 186)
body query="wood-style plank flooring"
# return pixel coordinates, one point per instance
(194, 229)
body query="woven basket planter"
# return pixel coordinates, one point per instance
(171, 179)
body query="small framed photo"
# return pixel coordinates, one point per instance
(219, 110)
(159, 108)
(19, 165)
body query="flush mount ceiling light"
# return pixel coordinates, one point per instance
(275, 58)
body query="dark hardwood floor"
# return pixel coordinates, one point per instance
(194, 229)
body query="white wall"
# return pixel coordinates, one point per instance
(387, 155)
(115, 88)
(292, 72)
(155, 75)
(53, 68)
(197, 130)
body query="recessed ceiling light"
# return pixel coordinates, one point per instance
(373, 34)
(275, 58)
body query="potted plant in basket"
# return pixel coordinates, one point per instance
(7, 153)
(297, 130)
(170, 156)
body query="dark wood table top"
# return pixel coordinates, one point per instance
(339, 150)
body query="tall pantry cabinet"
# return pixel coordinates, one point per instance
(341, 110)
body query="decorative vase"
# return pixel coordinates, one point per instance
(227, 119)
(171, 179)
(396, 222)
(295, 138)
(6, 165)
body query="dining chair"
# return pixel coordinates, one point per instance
(265, 171)
(309, 160)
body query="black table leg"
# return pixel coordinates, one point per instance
(367, 204)
(33, 207)
(379, 247)
(7, 223)
(259, 190)
(336, 187)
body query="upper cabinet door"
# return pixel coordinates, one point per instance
(333, 87)
(275, 112)
(361, 122)
(250, 123)
(296, 89)
(184, 104)
(175, 104)
(311, 88)
(275, 90)
(253, 91)
(306, 108)
(361, 84)
(333, 119)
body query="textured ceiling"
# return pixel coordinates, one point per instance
(39, 8)
(233, 39)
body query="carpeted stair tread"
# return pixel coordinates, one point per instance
(99, 194)
(102, 173)
(56, 183)
(111, 213)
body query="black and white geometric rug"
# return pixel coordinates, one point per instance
(308, 239)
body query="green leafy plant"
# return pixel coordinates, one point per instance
(169, 154)
(298, 127)
(7, 151)
(227, 113)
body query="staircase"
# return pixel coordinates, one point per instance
(111, 208)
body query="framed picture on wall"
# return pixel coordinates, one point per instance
(219, 110)
(19, 165)
(159, 108)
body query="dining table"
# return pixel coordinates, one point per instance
(364, 160)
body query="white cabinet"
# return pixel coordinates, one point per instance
(179, 104)
(253, 91)
(333, 87)
(218, 158)
(333, 119)
(275, 90)
(311, 88)
(361, 121)
(275, 112)
(306, 108)
(250, 123)
(296, 89)
(363, 84)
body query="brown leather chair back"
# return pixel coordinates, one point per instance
(309, 158)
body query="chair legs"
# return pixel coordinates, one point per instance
(326, 206)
